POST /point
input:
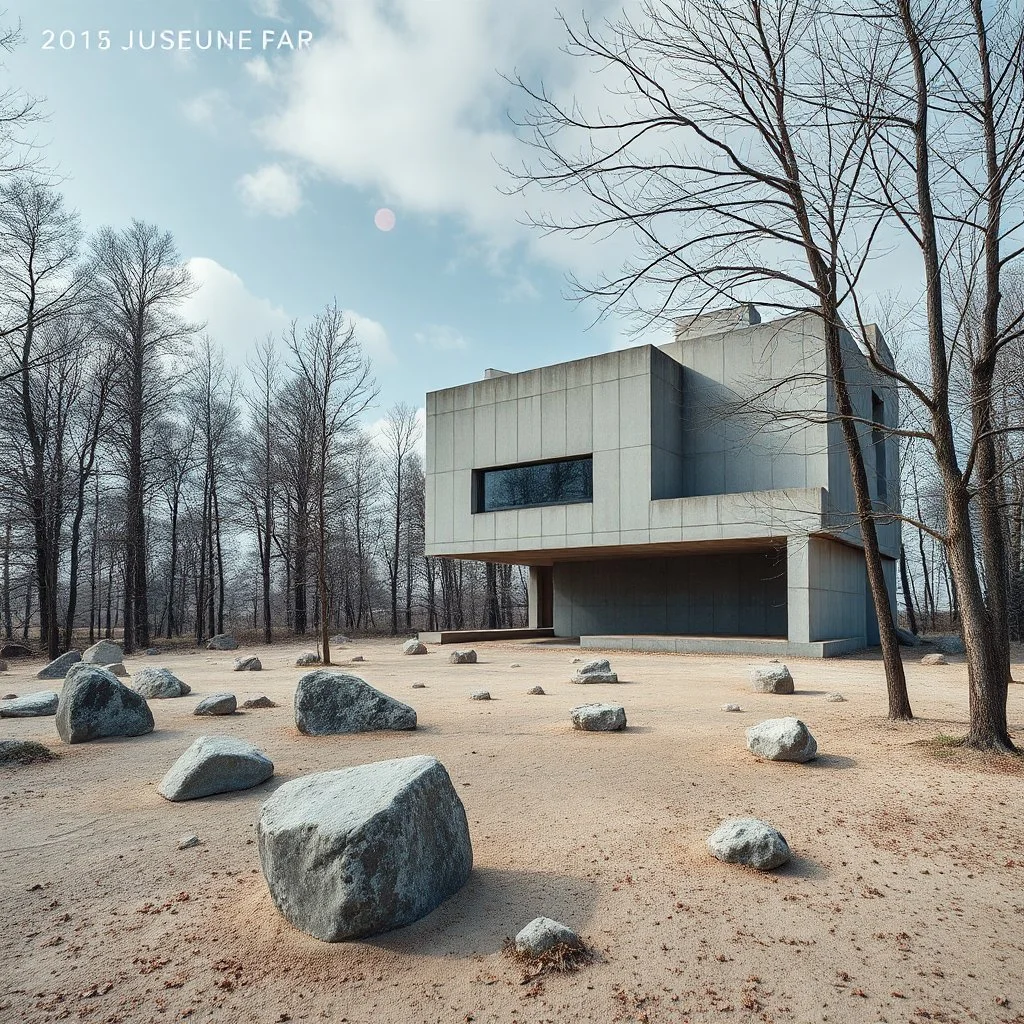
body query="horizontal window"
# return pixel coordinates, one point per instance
(541, 483)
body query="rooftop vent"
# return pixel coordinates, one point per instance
(717, 321)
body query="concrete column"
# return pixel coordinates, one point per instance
(539, 594)
(798, 582)
(533, 595)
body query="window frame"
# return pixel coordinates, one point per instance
(479, 475)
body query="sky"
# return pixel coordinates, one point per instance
(270, 165)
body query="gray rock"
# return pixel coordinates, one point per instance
(782, 739)
(159, 684)
(835, 698)
(536, 691)
(907, 639)
(32, 705)
(575, 661)
(413, 647)
(307, 658)
(934, 659)
(152, 652)
(419, 686)
(3, 665)
(360, 851)
(215, 764)
(949, 645)
(217, 704)
(771, 679)
(339, 640)
(515, 664)
(17, 651)
(480, 695)
(262, 701)
(748, 841)
(599, 717)
(105, 653)
(250, 663)
(330, 703)
(731, 707)
(58, 668)
(462, 657)
(358, 657)
(117, 669)
(542, 934)
(187, 842)
(9, 696)
(94, 704)
(14, 752)
(599, 671)
(222, 642)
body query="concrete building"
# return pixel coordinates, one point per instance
(694, 496)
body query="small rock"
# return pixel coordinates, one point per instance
(782, 739)
(215, 764)
(187, 842)
(58, 668)
(771, 680)
(480, 695)
(17, 651)
(575, 661)
(94, 704)
(599, 671)
(250, 663)
(222, 642)
(9, 696)
(333, 703)
(357, 657)
(159, 684)
(117, 669)
(413, 647)
(462, 657)
(104, 653)
(835, 698)
(419, 686)
(949, 645)
(358, 851)
(261, 701)
(748, 841)
(32, 705)
(731, 707)
(308, 658)
(24, 752)
(934, 659)
(542, 934)
(152, 652)
(599, 717)
(515, 664)
(217, 704)
(536, 691)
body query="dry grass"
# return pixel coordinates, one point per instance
(953, 750)
(14, 752)
(560, 959)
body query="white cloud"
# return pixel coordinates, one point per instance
(267, 9)
(259, 70)
(441, 337)
(272, 189)
(376, 432)
(206, 108)
(373, 338)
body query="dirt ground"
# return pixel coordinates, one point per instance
(904, 901)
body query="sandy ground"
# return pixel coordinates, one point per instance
(905, 900)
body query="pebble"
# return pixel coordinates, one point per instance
(187, 842)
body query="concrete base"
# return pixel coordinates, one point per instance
(770, 646)
(465, 636)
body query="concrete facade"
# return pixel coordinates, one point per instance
(722, 503)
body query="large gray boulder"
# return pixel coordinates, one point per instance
(159, 684)
(599, 671)
(94, 704)
(222, 642)
(215, 764)
(949, 645)
(329, 703)
(413, 647)
(599, 717)
(782, 739)
(249, 663)
(32, 705)
(106, 652)
(748, 841)
(543, 934)
(934, 659)
(771, 678)
(906, 638)
(360, 851)
(58, 668)
(217, 704)
(462, 657)
(308, 658)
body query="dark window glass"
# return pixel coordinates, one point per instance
(878, 444)
(543, 483)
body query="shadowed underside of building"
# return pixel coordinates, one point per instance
(690, 497)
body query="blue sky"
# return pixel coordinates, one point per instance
(268, 167)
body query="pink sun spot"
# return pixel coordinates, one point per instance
(384, 219)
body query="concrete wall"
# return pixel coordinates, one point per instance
(736, 594)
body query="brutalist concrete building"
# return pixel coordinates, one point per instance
(694, 496)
